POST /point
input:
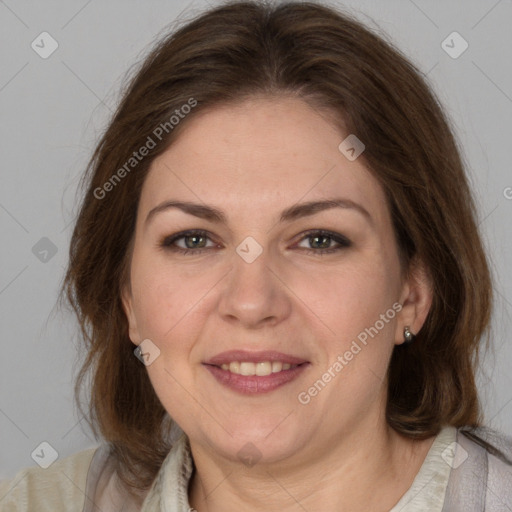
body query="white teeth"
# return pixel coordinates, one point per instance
(261, 369)
(277, 366)
(247, 369)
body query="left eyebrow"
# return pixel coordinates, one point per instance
(312, 207)
(211, 213)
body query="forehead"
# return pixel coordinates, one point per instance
(261, 154)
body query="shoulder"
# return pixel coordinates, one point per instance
(481, 473)
(60, 487)
(496, 445)
(498, 480)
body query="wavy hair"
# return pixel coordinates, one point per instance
(333, 62)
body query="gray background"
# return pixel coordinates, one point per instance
(53, 111)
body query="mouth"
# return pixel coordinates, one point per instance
(261, 369)
(255, 372)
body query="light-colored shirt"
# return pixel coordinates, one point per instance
(428, 489)
(86, 482)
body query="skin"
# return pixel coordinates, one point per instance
(252, 160)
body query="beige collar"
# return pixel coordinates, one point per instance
(169, 492)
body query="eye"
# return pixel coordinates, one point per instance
(320, 242)
(194, 240)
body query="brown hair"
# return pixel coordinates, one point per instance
(338, 66)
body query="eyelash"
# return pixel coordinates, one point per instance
(167, 243)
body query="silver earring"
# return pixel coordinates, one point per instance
(408, 335)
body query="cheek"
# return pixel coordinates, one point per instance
(169, 301)
(356, 304)
(352, 297)
(154, 304)
(155, 296)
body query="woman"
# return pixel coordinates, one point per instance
(282, 297)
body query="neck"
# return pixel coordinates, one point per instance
(367, 469)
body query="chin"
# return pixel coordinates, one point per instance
(257, 442)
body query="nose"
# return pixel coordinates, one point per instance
(254, 294)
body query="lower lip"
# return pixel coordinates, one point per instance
(255, 384)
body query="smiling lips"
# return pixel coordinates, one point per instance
(261, 369)
(255, 372)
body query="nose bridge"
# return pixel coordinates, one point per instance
(252, 293)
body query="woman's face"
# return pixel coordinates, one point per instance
(260, 280)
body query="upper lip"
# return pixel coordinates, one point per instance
(253, 357)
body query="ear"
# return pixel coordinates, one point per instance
(416, 299)
(127, 300)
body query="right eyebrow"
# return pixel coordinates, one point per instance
(198, 210)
